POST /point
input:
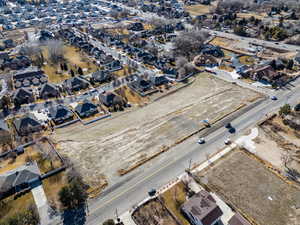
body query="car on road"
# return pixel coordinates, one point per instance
(274, 98)
(201, 141)
(227, 141)
(228, 125)
(152, 192)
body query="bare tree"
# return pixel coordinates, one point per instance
(160, 21)
(55, 51)
(189, 42)
(180, 62)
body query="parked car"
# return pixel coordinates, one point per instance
(274, 98)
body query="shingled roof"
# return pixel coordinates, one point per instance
(202, 207)
(21, 175)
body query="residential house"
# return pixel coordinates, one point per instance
(265, 72)
(49, 91)
(31, 76)
(206, 60)
(101, 76)
(136, 26)
(141, 85)
(27, 124)
(60, 114)
(5, 135)
(76, 83)
(23, 96)
(216, 51)
(237, 219)
(159, 80)
(23, 177)
(114, 66)
(86, 109)
(110, 99)
(201, 209)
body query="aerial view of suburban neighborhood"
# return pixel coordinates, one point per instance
(149, 112)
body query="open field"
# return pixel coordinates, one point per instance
(152, 213)
(223, 42)
(196, 10)
(74, 59)
(259, 16)
(246, 183)
(134, 136)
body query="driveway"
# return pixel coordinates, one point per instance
(41, 204)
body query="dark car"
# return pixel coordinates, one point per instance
(152, 192)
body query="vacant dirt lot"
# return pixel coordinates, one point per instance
(153, 213)
(257, 192)
(104, 147)
(279, 144)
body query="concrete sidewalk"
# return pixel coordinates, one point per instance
(41, 204)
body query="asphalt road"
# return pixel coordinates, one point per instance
(134, 186)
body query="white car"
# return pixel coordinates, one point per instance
(201, 141)
(227, 141)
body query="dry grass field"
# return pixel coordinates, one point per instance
(141, 132)
(255, 190)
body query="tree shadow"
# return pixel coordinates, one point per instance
(75, 216)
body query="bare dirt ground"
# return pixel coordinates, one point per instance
(279, 145)
(153, 213)
(260, 194)
(105, 147)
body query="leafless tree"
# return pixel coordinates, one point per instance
(189, 42)
(55, 51)
(160, 21)
(181, 62)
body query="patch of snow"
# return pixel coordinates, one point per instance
(247, 141)
(234, 75)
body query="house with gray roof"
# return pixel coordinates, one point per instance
(49, 91)
(27, 124)
(23, 96)
(76, 83)
(21, 178)
(101, 76)
(4, 133)
(201, 209)
(110, 99)
(60, 114)
(86, 109)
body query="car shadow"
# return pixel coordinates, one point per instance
(75, 216)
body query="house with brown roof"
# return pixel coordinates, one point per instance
(266, 73)
(201, 209)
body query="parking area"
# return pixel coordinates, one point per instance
(142, 132)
